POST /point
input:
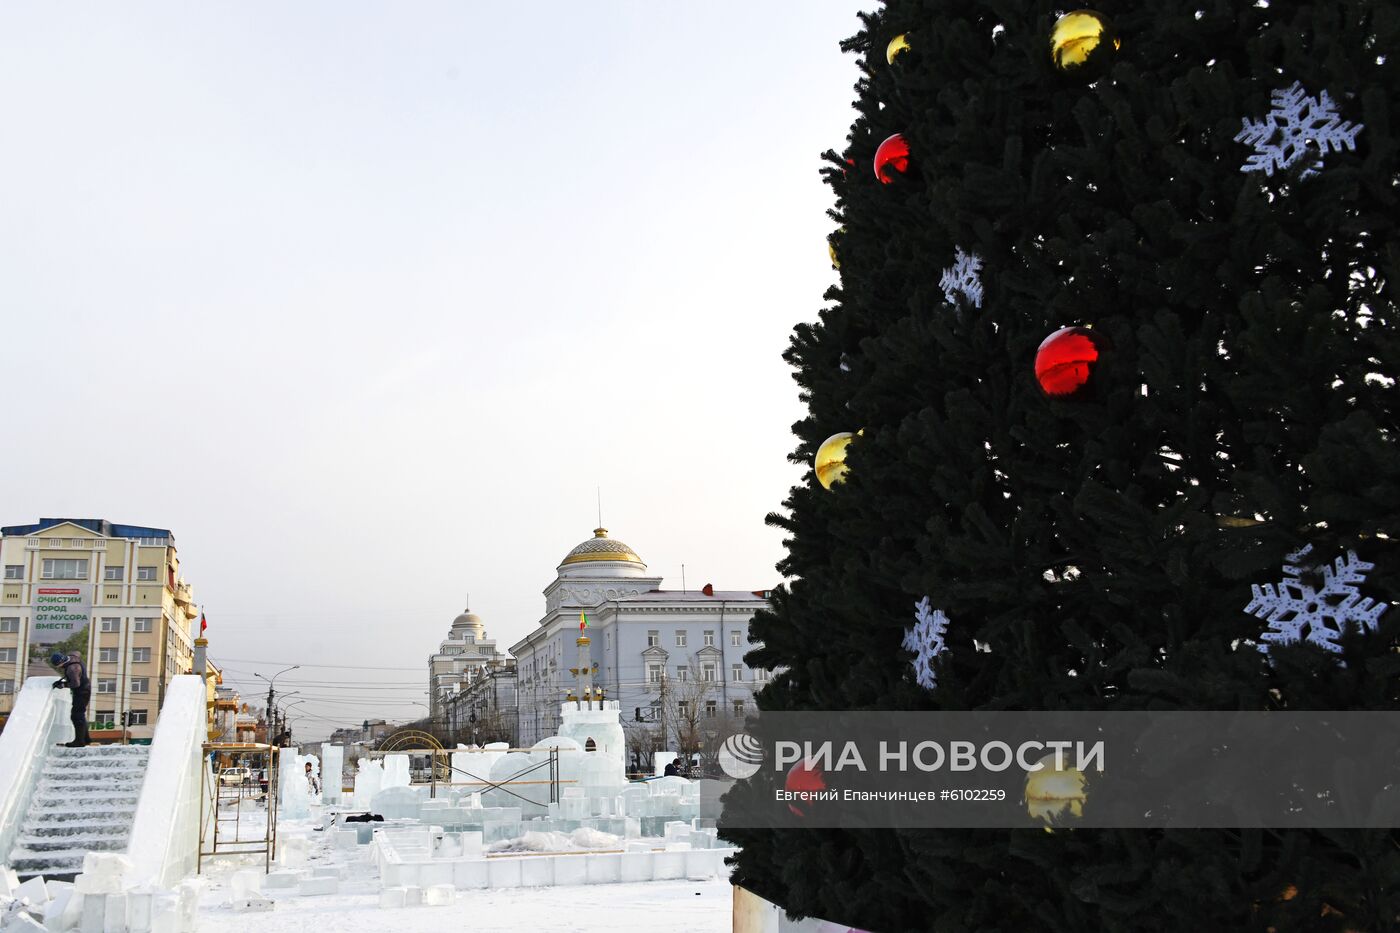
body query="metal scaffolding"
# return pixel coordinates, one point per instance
(441, 770)
(225, 788)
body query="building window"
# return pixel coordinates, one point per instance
(14, 571)
(653, 639)
(64, 569)
(736, 672)
(140, 685)
(140, 655)
(708, 672)
(107, 655)
(760, 674)
(9, 625)
(106, 685)
(711, 709)
(114, 573)
(104, 716)
(682, 674)
(7, 655)
(147, 574)
(680, 639)
(653, 673)
(108, 626)
(7, 687)
(709, 639)
(143, 625)
(683, 707)
(738, 707)
(736, 639)
(135, 717)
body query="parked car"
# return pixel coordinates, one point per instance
(238, 776)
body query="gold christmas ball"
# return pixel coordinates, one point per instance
(831, 251)
(1055, 794)
(830, 462)
(898, 45)
(1236, 521)
(1082, 42)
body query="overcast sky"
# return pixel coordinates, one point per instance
(363, 301)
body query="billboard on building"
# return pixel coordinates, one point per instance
(59, 612)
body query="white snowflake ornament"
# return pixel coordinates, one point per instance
(1281, 140)
(925, 639)
(965, 277)
(1297, 611)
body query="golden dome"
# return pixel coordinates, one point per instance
(468, 621)
(601, 547)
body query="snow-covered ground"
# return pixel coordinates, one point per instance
(653, 907)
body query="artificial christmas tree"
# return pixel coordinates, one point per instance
(1214, 197)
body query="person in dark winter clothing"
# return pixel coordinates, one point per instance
(75, 678)
(674, 768)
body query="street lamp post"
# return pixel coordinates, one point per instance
(271, 693)
(429, 718)
(278, 721)
(286, 722)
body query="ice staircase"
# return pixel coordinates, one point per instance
(85, 801)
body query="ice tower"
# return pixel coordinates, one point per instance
(593, 722)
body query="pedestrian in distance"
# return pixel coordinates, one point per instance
(313, 786)
(674, 768)
(74, 678)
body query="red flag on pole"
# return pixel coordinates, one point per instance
(202, 624)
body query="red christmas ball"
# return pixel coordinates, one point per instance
(1066, 360)
(892, 158)
(805, 777)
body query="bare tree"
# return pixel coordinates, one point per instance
(493, 724)
(689, 707)
(643, 743)
(716, 731)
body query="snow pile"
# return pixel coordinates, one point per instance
(582, 838)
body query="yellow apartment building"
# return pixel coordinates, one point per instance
(119, 584)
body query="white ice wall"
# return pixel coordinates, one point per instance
(165, 832)
(37, 723)
(294, 793)
(368, 780)
(332, 772)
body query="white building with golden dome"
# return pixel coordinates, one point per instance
(673, 659)
(462, 657)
